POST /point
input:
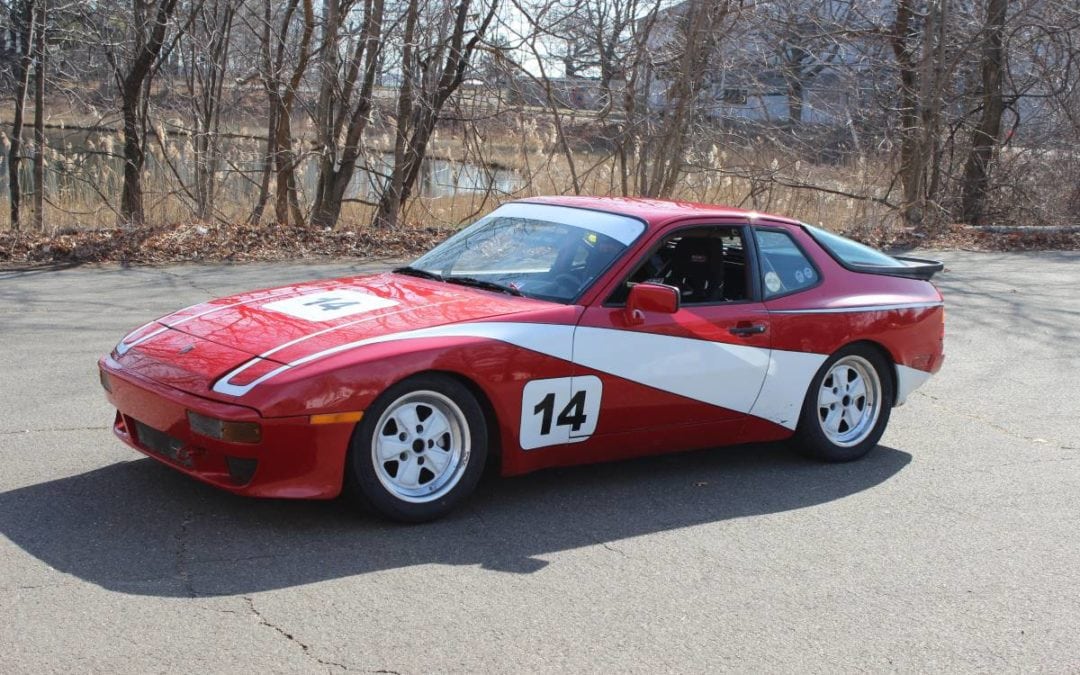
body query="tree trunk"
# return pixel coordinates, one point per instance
(269, 80)
(134, 86)
(268, 168)
(796, 97)
(985, 137)
(25, 23)
(39, 117)
(392, 198)
(131, 197)
(283, 95)
(912, 161)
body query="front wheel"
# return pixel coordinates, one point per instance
(847, 406)
(420, 449)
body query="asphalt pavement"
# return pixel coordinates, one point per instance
(954, 546)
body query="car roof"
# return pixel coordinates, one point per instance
(657, 212)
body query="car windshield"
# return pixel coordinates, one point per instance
(536, 250)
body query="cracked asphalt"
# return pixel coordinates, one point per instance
(954, 546)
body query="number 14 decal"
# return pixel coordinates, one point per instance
(559, 410)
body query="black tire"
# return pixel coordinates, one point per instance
(812, 437)
(382, 485)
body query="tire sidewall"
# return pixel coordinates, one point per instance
(361, 467)
(810, 437)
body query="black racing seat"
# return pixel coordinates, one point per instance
(697, 269)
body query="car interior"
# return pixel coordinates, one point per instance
(707, 266)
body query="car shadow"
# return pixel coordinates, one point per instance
(138, 527)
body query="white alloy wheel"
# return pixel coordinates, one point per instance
(849, 401)
(420, 446)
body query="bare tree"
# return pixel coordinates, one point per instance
(345, 101)
(987, 132)
(207, 54)
(281, 85)
(23, 23)
(682, 63)
(438, 48)
(149, 30)
(807, 38)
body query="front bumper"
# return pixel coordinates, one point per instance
(294, 459)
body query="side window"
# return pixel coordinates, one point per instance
(707, 265)
(784, 267)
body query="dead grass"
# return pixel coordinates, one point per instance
(82, 224)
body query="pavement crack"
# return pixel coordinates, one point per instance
(189, 282)
(304, 647)
(614, 549)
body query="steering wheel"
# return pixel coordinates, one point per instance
(568, 282)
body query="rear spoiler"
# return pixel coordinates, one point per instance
(913, 268)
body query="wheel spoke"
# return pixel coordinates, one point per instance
(857, 389)
(391, 448)
(851, 415)
(827, 397)
(408, 473)
(435, 426)
(407, 418)
(840, 375)
(832, 420)
(436, 460)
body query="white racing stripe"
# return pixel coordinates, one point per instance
(769, 384)
(785, 386)
(860, 308)
(717, 373)
(551, 339)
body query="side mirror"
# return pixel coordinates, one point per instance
(650, 297)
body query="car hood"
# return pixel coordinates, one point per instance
(188, 348)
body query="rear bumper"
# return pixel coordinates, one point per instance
(294, 459)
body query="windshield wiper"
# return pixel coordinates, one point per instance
(483, 283)
(417, 272)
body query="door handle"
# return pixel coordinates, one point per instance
(747, 330)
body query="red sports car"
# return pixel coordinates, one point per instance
(554, 331)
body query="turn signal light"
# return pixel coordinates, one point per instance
(106, 385)
(232, 432)
(337, 418)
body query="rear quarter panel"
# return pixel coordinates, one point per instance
(825, 318)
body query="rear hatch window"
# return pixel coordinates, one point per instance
(861, 258)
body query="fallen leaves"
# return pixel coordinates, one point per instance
(960, 236)
(198, 242)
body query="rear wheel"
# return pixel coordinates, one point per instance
(847, 406)
(420, 449)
